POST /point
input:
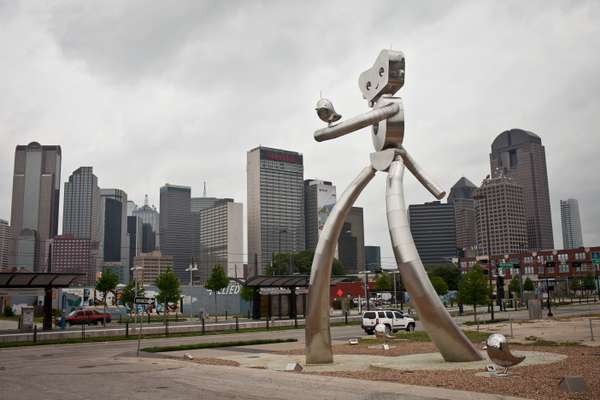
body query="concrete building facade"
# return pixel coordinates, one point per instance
(319, 199)
(75, 255)
(275, 204)
(351, 243)
(176, 227)
(570, 222)
(500, 206)
(35, 204)
(520, 155)
(147, 266)
(433, 228)
(221, 239)
(81, 207)
(5, 239)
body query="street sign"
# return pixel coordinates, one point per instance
(505, 265)
(143, 300)
(339, 293)
(595, 260)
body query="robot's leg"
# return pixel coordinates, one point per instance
(450, 340)
(318, 336)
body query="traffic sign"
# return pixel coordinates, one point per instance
(339, 293)
(595, 260)
(505, 265)
(143, 300)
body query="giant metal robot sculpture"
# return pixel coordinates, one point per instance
(378, 85)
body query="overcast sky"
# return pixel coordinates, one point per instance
(177, 91)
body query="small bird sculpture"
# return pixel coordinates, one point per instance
(498, 351)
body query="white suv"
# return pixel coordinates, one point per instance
(392, 319)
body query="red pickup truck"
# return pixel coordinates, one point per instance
(86, 317)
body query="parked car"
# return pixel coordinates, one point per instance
(392, 319)
(86, 317)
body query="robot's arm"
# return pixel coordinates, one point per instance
(420, 175)
(356, 123)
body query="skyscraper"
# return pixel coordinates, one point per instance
(135, 233)
(149, 215)
(176, 227)
(461, 197)
(351, 243)
(275, 204)
(571, 224)
(500, 209)
(81, 208)
(114, 243)
(221, 236)
(372, 257)
(521, 156)
(433, 228)
(35, 200)
(5, 239)
(198, 204)
(319, 199)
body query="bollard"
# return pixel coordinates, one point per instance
(176, 317)
(295, 321)
(148, 318)
(167, 327)
(267, 323)
(203, 327)
(248, 314)
(225, 315)
(82, 331)
(127, 329)
(237, 325)
(591, 330)
(34, 333)
(346, 317)
(120, 319)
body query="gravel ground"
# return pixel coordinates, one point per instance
(216, 361)
(535, 382)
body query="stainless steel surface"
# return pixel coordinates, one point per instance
(413, 167)
(389, 133)
(326, 112)
(386, 76)
(498, 351)
(356, 123)
(318, 335)
(450, 340)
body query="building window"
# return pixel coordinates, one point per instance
(563, 257)
(541, 270)
(564, 268)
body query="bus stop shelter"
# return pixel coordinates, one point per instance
(290, 282)
(45, 281)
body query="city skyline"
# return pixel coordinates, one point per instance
(150, 99)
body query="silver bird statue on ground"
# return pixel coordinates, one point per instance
(497, 349)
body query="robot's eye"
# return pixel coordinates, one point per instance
(381, 71)
(368, 85)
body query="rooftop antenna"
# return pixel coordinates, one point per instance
(146, 200)
(204, 191)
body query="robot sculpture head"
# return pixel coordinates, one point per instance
(386, 76)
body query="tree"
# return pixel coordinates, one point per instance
(450, 273)
(528, 285)
(247, 293)
(168, 289)
(129, 294)
(514, 286)
(440, 286)
(107, 283)
(337, 269)
(473, 289)
(384, 282)
(217, 281)
(588, 283)
(301, 263)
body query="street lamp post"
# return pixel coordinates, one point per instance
(192, 267)
(548, 298)
(136, 310)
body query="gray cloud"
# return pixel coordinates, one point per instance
(179, 91)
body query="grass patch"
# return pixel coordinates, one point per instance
(213, 345)
(485, 321)
(536, 341)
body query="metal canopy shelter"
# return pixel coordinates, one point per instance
(290, 282)
(39, 280)
(36, 280)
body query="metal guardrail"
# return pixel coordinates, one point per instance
(129, 330)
